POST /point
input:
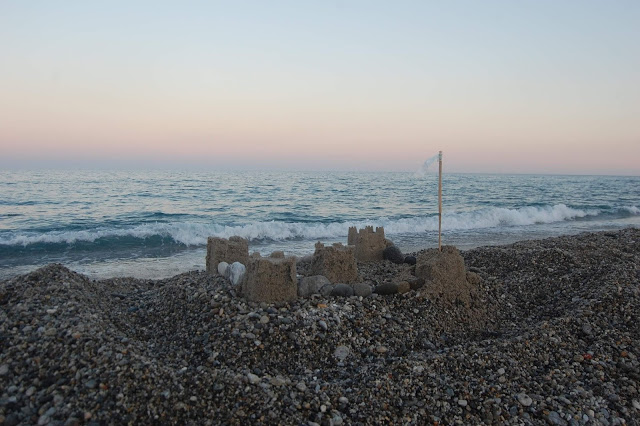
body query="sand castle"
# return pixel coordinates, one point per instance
(336, 262)
(439, 274)
(271, 279)
(369, 244)
(234, 249)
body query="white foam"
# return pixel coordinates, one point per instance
(195, 234)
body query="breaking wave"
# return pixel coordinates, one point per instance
(195, 234)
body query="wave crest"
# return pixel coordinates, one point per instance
(195, 234)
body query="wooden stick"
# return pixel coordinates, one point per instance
(440, 202)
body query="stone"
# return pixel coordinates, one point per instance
(341, 352)
(342, 290)
(393, 254)
(445, 275)
(277, 255)
(368, 244)
(326, 290)
(4, 369)
(462, 402)
(335, 262)
(323, 325)
(234, 249)
(270, 280)
(403, 287)
(555, 419)
(222, 268)
(237, 273)
(301, 386)
(253, 379)
(386, 288)
(410, 260)
(524, 399)
(362, 289)
(312, 285)
(415, 283)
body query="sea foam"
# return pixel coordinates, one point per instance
(195, 233)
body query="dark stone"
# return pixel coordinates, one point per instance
(386, 288)
(12, 419)
(393, 254)
(410, 260)
(415, 283)
(342, 290)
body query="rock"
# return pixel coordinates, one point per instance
(524, 399)
(277, 255)
(368, 244)
(393, 254)
(323, 325)
(4, 369)
(362, 289)
(462, 402)
(415, 283)
(278, 381)
(341, 352)
(326, 290)
(222, 268)
(555, 419)
(237, 273)
(312, 285)
(335, 262)
(342, 290)
(381, 349)
(301, 386)
(403, 287)
(386, 288)
(270, 280)
(410, 260)
(253, 379)
(235, 249)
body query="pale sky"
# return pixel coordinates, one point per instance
(499, 86)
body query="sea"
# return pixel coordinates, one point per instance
(155, 224)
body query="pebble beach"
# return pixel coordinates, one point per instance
(549, 336)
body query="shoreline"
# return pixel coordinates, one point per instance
(551, 335)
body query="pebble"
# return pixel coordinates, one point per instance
(524, 399)
(341, 352)
(193, 349)
(555, 419)
(253, 379)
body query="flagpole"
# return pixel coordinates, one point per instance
(440, 201)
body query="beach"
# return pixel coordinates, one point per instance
(550, 335)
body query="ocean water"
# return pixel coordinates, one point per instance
(154, 224)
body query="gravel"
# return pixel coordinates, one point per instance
(551, 336)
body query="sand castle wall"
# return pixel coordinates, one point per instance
(235, 249)
(336, 262)
(270, 279)
(369, 244)
(445, 275)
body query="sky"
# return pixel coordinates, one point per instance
(498, 86)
